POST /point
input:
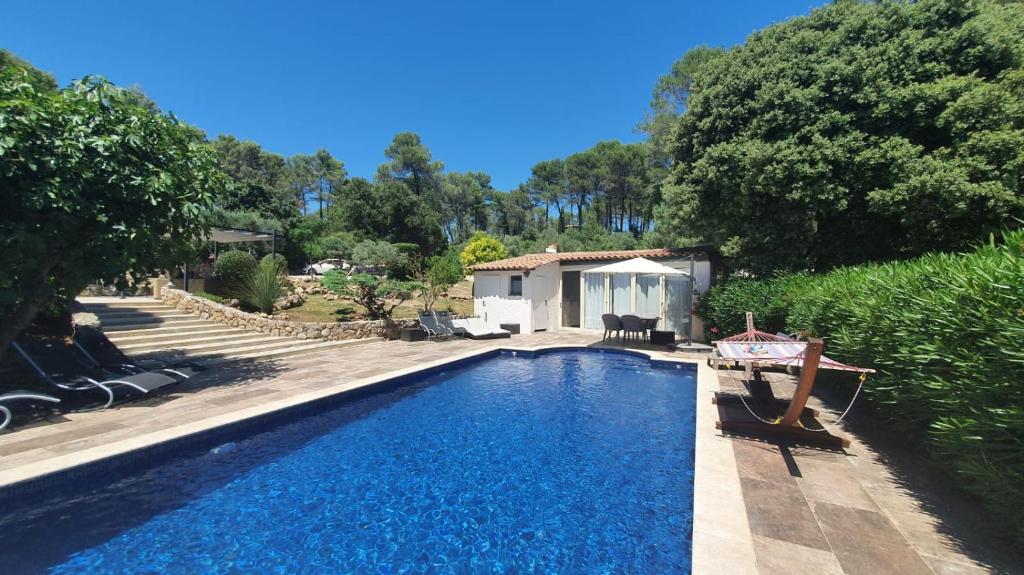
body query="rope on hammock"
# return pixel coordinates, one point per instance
(824, 428)
(863, 377)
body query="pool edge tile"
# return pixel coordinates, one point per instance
(722, 540)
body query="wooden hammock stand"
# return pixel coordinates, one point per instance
(788, 427)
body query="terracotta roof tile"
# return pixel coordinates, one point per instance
(534, 261)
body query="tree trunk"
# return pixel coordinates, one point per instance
(25, 312)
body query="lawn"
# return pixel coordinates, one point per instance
(318, 309)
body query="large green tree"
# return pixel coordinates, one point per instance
(547, 185)
(865, 131)
(464, 203)
(410, 162)
(256, 179)
(94, 187)
(668, 100)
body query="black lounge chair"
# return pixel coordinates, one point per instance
(444, 319)
(57, 364)
(612, 323)
(20, 395)
(434, 328)
(100, 352)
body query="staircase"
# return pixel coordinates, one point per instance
(146, 328)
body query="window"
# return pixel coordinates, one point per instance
(515, 286)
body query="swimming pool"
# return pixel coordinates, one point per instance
(570, 461)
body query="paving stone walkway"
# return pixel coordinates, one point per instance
(870, 510)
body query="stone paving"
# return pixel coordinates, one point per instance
(871, 508)
(758, 507)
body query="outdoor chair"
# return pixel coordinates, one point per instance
(58, 365)
(633, 325)
(476, 328)
(100, 352)
(612, 323)
(434, 329)
(444, 319)
(20, 395)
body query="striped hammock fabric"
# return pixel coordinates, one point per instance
(777, 353)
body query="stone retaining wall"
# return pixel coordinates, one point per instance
(230, 316)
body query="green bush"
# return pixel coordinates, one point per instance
(482, 248)
(724, 307)
(282, 262)
(233, 265)
(262, 286)
(946, 334)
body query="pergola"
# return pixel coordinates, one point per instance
(642, 287)
(235, 236)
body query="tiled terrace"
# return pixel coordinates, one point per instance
(759, 507)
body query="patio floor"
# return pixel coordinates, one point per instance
(872, 509)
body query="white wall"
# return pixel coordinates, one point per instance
(544, 283)
(492, 302)
(542, 290)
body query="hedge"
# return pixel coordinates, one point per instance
(945, 331)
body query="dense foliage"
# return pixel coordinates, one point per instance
(866, 131)
(378, 295)
(482, 248)
(233, 265)
(261, 286)
(946, 333)
(94, 187)
(442, 273)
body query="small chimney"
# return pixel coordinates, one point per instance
(552, 249)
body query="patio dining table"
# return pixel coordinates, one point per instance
(650, 323)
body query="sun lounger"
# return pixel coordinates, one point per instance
(57, 364)
(20, 395)
(100, 352)
(434, 329)
(476, 328)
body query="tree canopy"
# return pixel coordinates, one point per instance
(482, 248)
(95, 187)
(864, 131)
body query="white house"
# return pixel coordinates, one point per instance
(557, 290)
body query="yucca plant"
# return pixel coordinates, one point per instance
(263, 285)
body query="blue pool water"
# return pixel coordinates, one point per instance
(568, 462)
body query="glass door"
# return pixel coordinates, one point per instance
(593, 303)
(678, 304)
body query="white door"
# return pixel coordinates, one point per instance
(540, 302)
(486, 290)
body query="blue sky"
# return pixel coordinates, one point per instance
(489, 86)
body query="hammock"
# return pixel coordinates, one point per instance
(777, 353)
(757, 347)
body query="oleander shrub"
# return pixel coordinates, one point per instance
(725, 305)
(946, 334)
(233, 265)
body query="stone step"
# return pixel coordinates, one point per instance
(120, 304)
(163, 330)
(191, 340)
(128, 313)
(144, 318)
(181, 325)
(300, 349)
(232, 345)
(132, 337)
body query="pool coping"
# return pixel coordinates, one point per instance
(721, 540)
